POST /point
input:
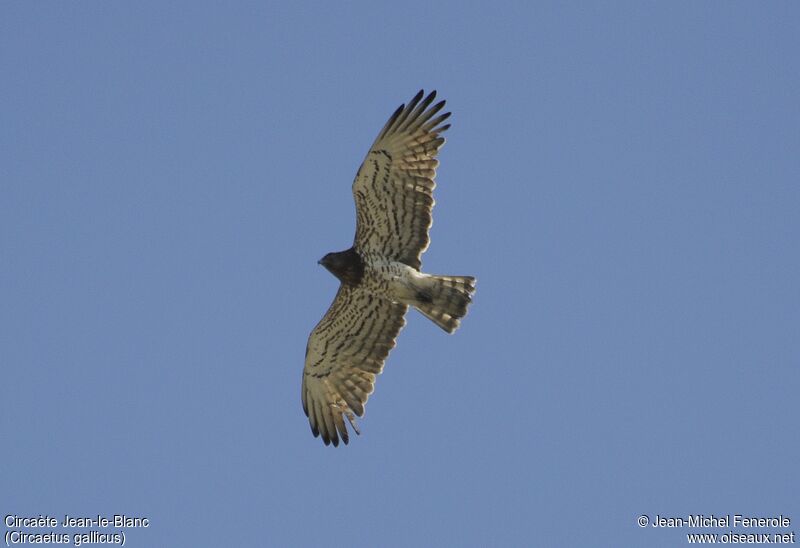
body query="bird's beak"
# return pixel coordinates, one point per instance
(319, 261)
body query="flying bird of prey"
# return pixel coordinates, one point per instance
(380, 274)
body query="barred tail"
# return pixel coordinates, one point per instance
(444, 299)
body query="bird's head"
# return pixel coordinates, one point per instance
(345, 265)
(328, 261)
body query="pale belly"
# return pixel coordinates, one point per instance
(389, 279)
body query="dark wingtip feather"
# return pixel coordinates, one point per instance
(430, 125)
(426, 102)
(414, 102)
(395, 115)
(392, 120)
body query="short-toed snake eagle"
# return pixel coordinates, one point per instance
(380, 274)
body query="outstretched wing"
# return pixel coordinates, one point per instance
(345, 353)
(394, 186)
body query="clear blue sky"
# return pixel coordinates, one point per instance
(622, 178)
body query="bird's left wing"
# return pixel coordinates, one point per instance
(345, 353)
(394, 186)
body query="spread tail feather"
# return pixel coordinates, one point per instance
(444, 299)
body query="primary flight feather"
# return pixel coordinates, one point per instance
(380, 274)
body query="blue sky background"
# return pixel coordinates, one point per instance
(622, 178)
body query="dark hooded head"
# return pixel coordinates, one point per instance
(345, 265)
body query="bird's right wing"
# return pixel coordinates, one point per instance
(394, 186)
(345, 353)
